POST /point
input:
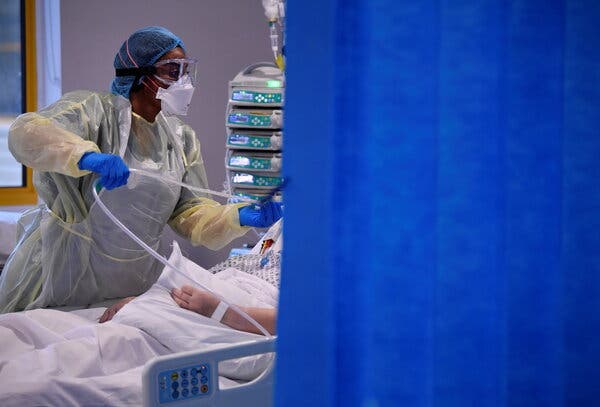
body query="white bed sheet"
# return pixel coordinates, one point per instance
(51, 357)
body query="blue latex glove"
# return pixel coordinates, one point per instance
(261, 216)
(112, 169)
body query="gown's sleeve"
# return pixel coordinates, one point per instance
(197, 217)
(54, 139)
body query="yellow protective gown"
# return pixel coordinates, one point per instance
(68, 252)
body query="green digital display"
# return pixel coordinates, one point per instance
(250, 120)
(255, 163)
(256, 97)
(273, 84)
(241, 140)
(256, 180)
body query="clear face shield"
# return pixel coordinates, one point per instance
(169, 71)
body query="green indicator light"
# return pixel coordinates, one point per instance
(273, 84)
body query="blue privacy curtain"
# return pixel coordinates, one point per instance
(442, 236)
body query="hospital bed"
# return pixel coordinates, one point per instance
(52, 357)
(100, 377)
(116, 367)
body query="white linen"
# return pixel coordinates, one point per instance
(55, 358)
(50, 357)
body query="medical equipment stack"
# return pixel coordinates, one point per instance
(254, 131)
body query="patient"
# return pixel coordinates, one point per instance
(263, 264)
(205, 303)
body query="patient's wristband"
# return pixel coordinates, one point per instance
(219, 312)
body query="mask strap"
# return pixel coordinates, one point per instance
(148, 86)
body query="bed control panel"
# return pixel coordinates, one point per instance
(192, 378)
(184, 383)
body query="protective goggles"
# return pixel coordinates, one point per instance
(166, 71)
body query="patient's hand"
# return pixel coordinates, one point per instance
(113, 309)
(195, 299)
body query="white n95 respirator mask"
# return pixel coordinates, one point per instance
(175, 100)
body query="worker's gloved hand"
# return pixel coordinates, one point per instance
(112, 169)
(261, 216)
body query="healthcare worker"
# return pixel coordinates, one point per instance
(68, 252)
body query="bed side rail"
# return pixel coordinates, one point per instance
(192, 378)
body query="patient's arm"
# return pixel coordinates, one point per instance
(264, 316)
(205, 303)
(110, 312)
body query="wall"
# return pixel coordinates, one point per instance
(225, 35)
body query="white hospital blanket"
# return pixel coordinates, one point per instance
(55, 358)
(50, 357)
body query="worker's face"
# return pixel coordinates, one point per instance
(152, 85)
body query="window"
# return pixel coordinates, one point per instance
(18, 76)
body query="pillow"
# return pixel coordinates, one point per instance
(180, 330)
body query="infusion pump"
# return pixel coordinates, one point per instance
(254, 130)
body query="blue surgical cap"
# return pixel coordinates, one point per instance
(143, 48)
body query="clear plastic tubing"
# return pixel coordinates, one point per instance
(191, 187)
(163, 260)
